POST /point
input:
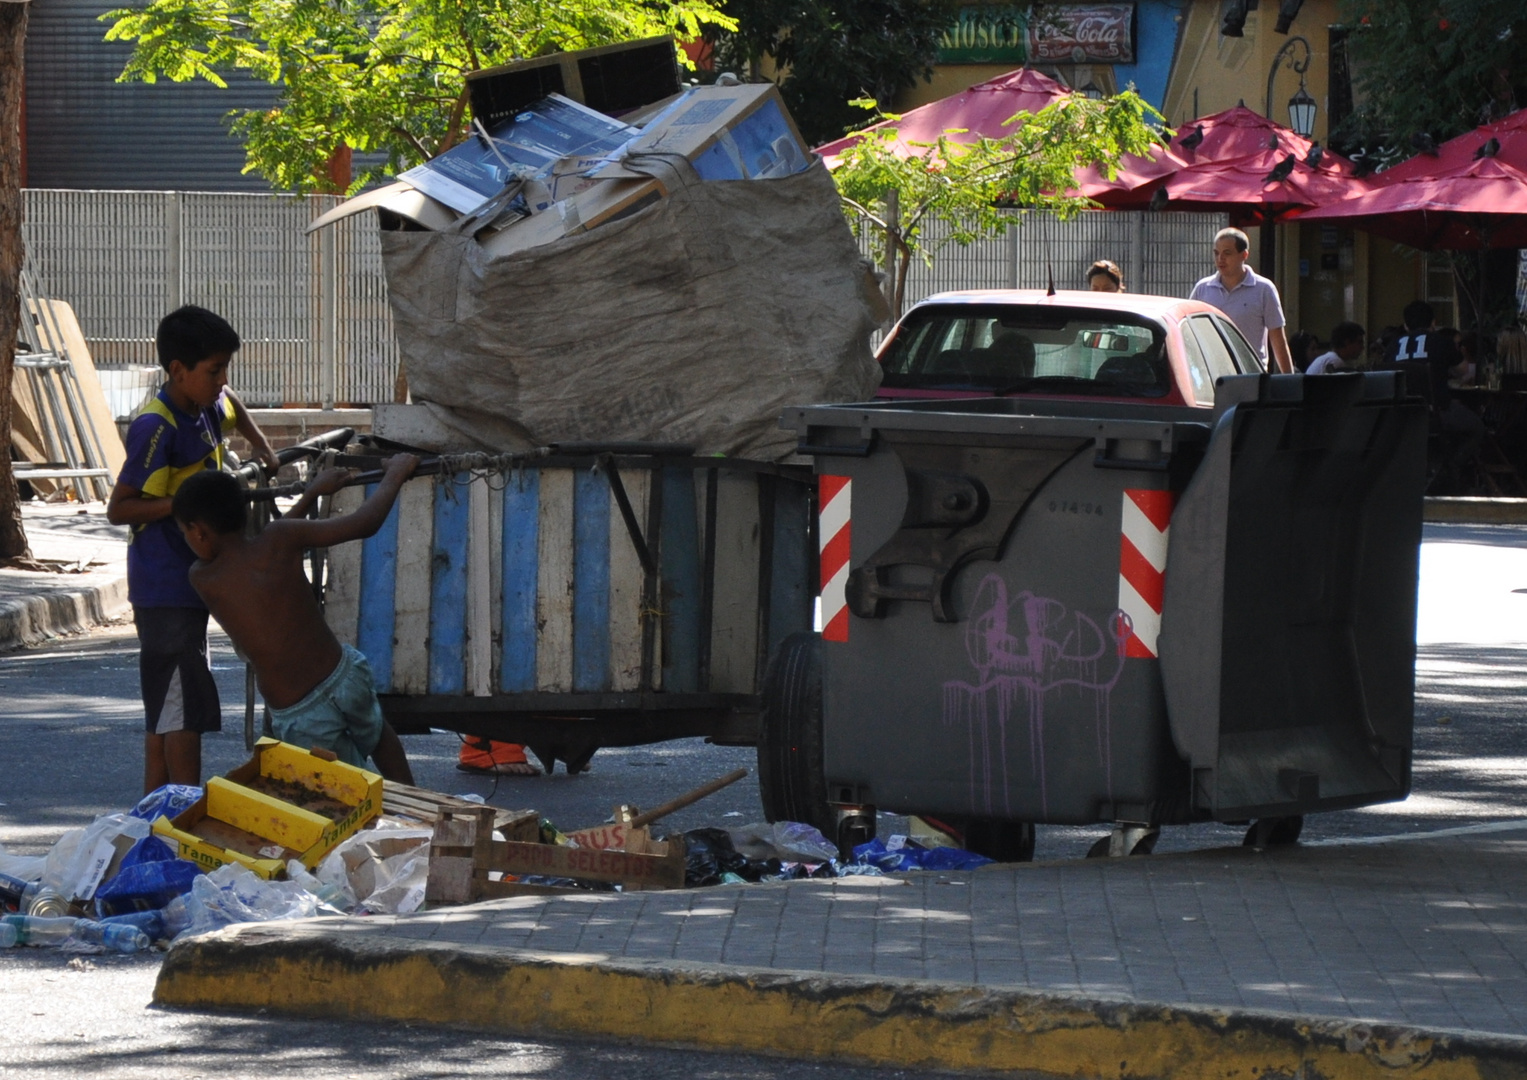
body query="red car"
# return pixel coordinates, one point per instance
(1114, 346)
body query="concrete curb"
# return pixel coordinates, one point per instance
(1468, 510)
(303, 970)
(27, 620)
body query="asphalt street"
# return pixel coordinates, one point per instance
(70, 740)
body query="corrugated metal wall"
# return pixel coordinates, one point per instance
(311, 310)
(85, 130)
(1160, 253)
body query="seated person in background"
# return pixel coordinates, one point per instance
(1468, 348)
(1302, 347)
(1346, 347)
(1105, 276)
(320, 692)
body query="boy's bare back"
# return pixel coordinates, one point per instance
(256, 588)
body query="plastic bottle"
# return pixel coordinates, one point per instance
(152, 923)
(117, 937)
(32, 930)
(8, 936)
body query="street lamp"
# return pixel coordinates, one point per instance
(1093, 91)
(1301, 107)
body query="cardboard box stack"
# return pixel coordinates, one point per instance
(540, 169)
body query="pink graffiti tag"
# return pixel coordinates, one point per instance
(1024, 650)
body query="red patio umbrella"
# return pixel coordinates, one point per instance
(1471, 194)
(980, 110)
(1236, 160)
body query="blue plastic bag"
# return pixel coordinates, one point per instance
(167, 801)
(910, 855)
(150, 877)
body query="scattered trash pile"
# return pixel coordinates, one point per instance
(188, 860)
(615, 256)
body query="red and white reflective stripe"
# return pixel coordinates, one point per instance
(834, 493)
(1142, 566)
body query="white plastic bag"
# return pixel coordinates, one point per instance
(76, 864)
(25, 867)
(788, 841)
(235, 894)
(384, 870)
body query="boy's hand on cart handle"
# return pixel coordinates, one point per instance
(401, 465)
(329, 481)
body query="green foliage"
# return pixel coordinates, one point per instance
(830, 51)
(969, 186)
(1438, 67)
(379, 76)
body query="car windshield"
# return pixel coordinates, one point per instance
(1008, 348)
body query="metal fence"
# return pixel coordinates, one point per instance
(1160, 253)
(311, 310)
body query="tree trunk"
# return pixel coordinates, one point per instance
(13, 32)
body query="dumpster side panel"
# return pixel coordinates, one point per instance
(416, 532)
(1025, 706)
(448, 588)
(626, 579)
(591, 582)
(519, 574)
(681, 583)
(791, 579)
(734, 612)
(492, 556)
(342, 585)
(554, 583)
(376, 618)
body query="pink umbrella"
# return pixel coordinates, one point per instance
(1236, 160)
(981, 110)
(1470, 194)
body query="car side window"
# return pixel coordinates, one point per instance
(1198, 367)
(1215, 351)
(1246, 359)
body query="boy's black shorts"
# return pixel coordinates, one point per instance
(179, 693)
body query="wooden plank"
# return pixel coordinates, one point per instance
(479, 659)
(553, 860)
(448, 589)
(342, 587)
(378, 600)
(626, 577)
(591, 581)
(416, 533)
(519, 572)
(554, 583)
(734, 622)
(58, 315)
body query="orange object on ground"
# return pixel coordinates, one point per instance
(488, 756)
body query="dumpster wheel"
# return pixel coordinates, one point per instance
(1274, 831)
(791, 780)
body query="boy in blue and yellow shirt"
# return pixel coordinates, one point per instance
(178, 434)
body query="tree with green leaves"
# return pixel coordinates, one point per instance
(972, 186)
(824, 55)
(1432, 69)
(377, 76)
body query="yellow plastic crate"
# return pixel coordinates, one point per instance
(232, 817)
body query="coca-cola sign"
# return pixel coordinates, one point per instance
(1083, 34)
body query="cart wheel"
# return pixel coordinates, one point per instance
(791, 782)
(1004, 841)
(1274, 831)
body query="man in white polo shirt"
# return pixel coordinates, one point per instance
(1251, 301)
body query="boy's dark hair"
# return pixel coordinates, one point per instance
(191, 334)
(1418, 315)
(1345, 333)
(214, 499)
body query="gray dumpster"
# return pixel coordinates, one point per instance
(1076, 612)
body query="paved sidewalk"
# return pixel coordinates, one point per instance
(89, 587)
(1344, 960)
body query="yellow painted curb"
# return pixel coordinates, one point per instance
(305, 971)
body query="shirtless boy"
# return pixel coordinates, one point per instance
(320, 692)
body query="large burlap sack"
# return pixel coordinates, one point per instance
(696, 320)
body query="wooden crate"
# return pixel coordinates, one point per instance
(424, 806)
(463, 854)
